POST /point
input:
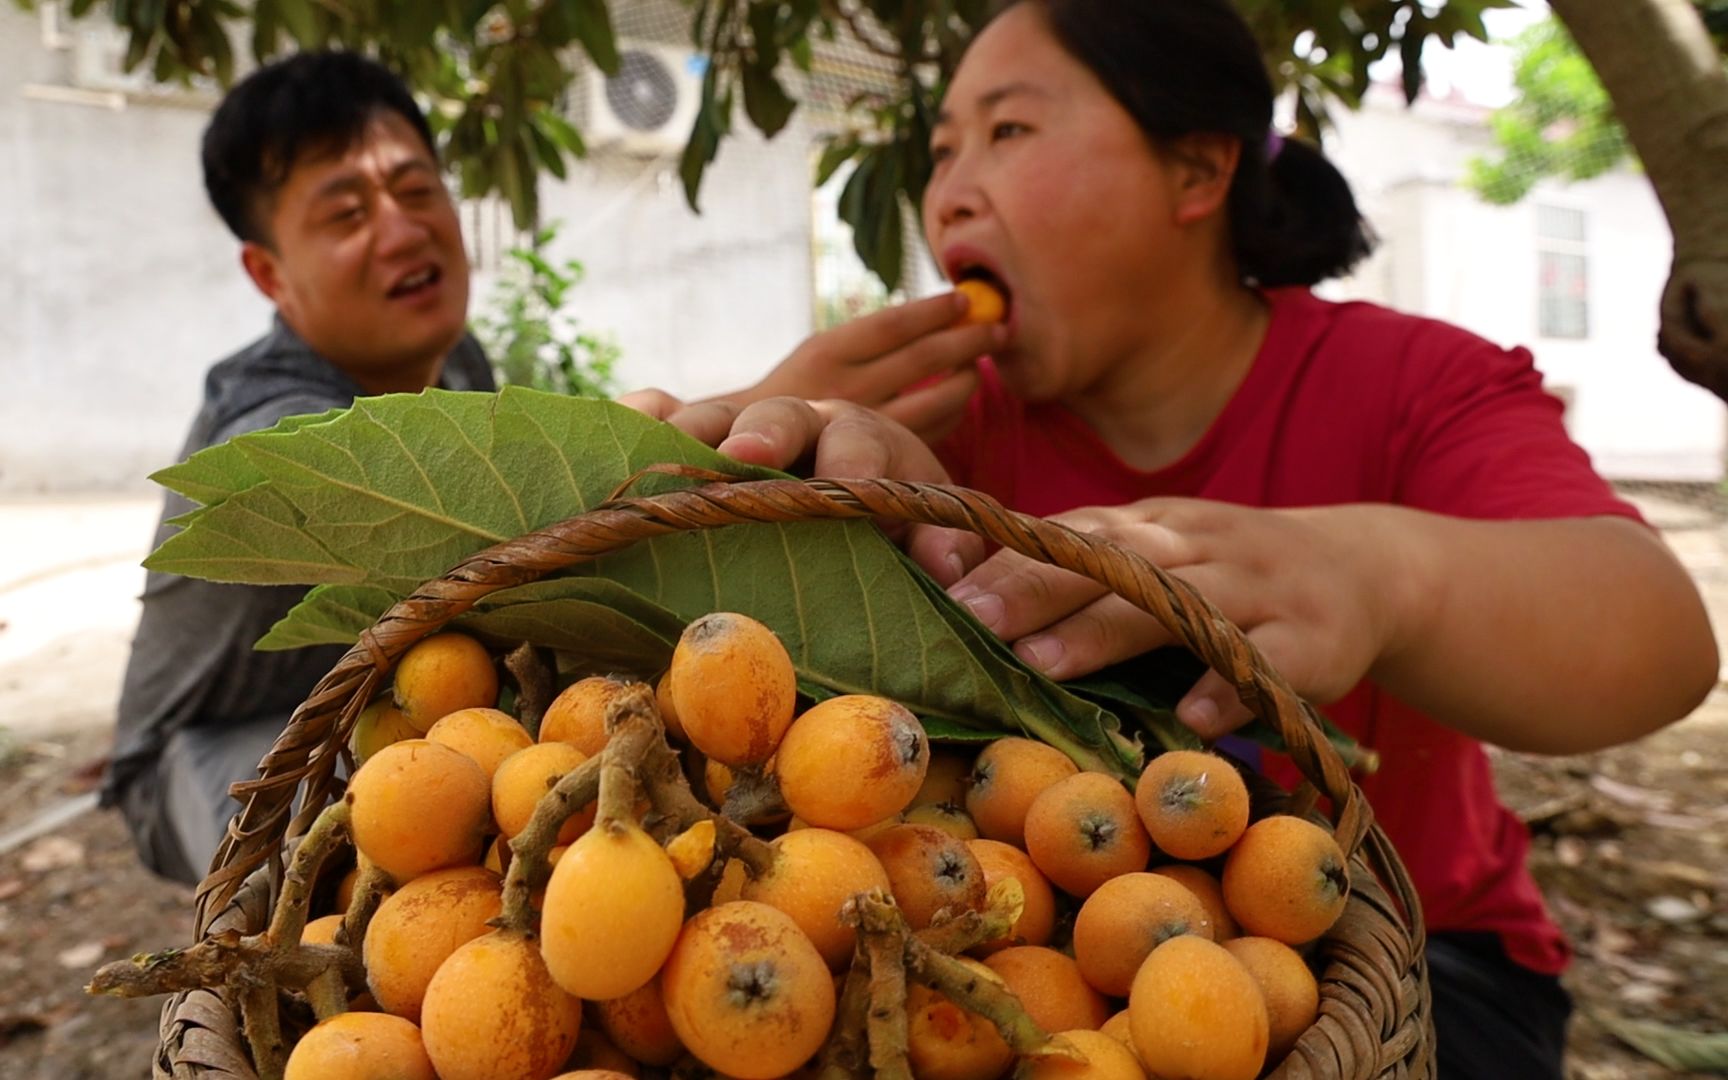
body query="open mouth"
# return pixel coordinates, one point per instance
(416, 283)
(972, 271)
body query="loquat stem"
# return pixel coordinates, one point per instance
(625, 750)
(369, 886)
(882, 929)
(222, 960)
(529, 850)
(754, 794)
(886, 1023)
(671, 796)
(1002, 909)
(847, 1052)
(328, 994)
(535, 685)
(263, 1027)
(995, 1003)
(668, 790)
(289, 919)
(206, 964)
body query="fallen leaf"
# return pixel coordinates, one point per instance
(52, 853)
(1694, 876)
(1642, 993)
(1673, 1047)
(1642, 798)
(81, 956)
(86, 777)
(1673, 909)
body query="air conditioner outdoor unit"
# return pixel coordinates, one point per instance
(649, 106)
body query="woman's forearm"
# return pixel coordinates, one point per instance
(1557, 636)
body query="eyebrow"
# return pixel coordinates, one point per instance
(992, 98)
(341, 185)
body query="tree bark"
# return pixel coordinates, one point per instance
(1665, 76)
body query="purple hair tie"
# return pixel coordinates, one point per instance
(1274, 146)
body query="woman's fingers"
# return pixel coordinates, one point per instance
(882, 332)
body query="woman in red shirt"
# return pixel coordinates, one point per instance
(1389, 506)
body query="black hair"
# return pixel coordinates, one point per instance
(1183, 67)
(313, 102)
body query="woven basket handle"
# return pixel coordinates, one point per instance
(310, 746)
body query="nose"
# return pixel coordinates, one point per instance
(953, 195)
(397, 229)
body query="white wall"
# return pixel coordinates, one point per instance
(118, 285)
(698, 303)
(1448, 254)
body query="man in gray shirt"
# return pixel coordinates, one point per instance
(324, 169)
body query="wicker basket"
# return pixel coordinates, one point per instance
(1374, 1021)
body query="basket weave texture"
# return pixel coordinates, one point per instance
(1375, 1011)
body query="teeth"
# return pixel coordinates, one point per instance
(414, 281)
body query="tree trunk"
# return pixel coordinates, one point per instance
(1665, 77)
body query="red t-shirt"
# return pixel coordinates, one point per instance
(1352, 403)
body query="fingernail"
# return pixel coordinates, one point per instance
(958, 566)
(1041, 651)
(740, 446)
(1201, 716)
(985, 607)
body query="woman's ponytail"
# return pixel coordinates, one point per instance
(1293, 219)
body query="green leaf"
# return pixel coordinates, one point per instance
(592, 22)
(562, 132)
(1675, 1048)
(300, 19)
(256, 537)
(766, 101)
(836, 154)
(547, 152)
(1410, 53)
(329, 615)
(400, 488)
(704, 142)
(212, 475)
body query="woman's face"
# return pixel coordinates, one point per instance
(1044, 182)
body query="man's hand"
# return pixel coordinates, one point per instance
(839, 440)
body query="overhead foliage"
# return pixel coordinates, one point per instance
(1561, 123)
(494, 72)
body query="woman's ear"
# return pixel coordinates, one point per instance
(1205, 165)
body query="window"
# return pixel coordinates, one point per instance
(1563, 273)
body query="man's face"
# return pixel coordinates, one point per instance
(365, 258)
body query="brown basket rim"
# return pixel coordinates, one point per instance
(1375, 1005)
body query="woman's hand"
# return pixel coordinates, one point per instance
(1311, 588)
(912, 362)
(839, 440)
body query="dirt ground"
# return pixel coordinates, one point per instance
(1628, 844)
